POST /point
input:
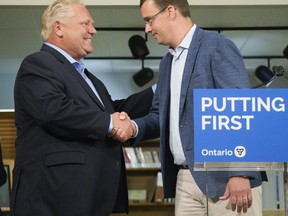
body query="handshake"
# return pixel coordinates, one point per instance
(123, 127)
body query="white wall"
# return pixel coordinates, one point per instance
(117, 74)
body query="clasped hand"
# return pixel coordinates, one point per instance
(123, 128)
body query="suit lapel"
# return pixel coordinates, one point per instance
(164, 94)
(104, 97)
(189, 66)
(87, 88)
(75, 74)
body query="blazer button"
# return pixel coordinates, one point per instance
(117, 163)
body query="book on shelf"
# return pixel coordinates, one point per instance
(136, 157)
(159, 194)
(169, 200)
(127, 157)
(140, 156)
(130, 157)
(137, 195)
(156, 159)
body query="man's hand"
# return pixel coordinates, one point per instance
(239, 191)
(123, 128)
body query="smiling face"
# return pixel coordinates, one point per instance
(167, 22)
(74, 35)
(152, 16)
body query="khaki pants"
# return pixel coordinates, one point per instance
(190, 201)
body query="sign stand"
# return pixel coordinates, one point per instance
(248, 166)
(285, 177)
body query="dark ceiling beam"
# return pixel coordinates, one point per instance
(219, 29)
(160, 57)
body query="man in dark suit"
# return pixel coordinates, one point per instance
(196, 59)
(66, 163)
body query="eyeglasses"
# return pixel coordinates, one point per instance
(149, 20)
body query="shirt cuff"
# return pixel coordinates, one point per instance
(111, 125)
(136, 126)
(154, 87)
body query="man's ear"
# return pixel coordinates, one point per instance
(172, 12)
(57, 28)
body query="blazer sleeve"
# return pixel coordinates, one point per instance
(136, 105)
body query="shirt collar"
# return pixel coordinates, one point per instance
(184, 44)
(65, 54)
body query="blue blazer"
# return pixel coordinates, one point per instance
(213, 61)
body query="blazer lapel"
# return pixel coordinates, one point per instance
(164, 94)
(189, 66)
(104, 98)
(74, 73)
(85, 85)
(167, 69)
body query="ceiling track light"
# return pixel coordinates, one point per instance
(139, 50)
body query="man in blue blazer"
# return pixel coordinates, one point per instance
(196, 59)
(66, 162)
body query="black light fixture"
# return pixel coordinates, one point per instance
(264, 74)
(285, 52)
(143, 76)
(139, 49)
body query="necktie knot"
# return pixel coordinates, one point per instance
(77, 66)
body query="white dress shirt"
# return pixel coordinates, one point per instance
(177, 68)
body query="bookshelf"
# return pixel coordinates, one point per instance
(7, 134)
(141, 177)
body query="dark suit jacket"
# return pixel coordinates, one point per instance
(213, 61)
(65, 163)
(3, 175)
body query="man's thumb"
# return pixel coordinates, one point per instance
(122, 115)
(225, 196)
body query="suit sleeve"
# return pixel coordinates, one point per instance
(136, 105)
(228, 68)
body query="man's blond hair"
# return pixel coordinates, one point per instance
(59, 10)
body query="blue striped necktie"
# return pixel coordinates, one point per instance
(80, 69)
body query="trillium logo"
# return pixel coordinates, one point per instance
(240, 151)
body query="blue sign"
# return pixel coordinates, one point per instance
(241, 125)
